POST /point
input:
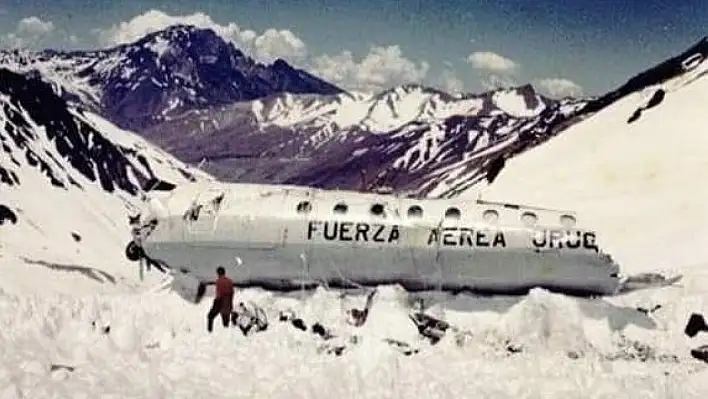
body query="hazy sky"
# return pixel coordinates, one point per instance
(562, 46)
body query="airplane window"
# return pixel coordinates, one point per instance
(304, 207)
(529, 218)
(568, 221)
(415, 211)
(340, 208)
(452, 213)
(377, 209)
(490, 216)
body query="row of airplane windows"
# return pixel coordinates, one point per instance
(416, 211)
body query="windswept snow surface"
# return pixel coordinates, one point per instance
(156, 346)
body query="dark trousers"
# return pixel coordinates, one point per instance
(221, 306)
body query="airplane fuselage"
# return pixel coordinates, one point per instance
(280, 236)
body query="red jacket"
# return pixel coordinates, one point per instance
(224, 287)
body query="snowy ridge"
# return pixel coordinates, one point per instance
(392, 108)
(68, 180)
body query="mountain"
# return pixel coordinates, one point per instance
(198, 97)
(273, 124)
(412, 138)
(163, 74)
(68, 179)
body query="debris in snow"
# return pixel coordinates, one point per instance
(104, 330)
(55, 367)
(357, 317)
(648, 311)
(635, 350)
(700, 353)
(429, 327)
(696, 323)
(402, 347)
(249, 318)
(289, 315)
(322, 331)
(76, 236)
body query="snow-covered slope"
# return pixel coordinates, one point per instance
(639, 180)
(67, 181)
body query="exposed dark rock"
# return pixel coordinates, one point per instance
(7, 215)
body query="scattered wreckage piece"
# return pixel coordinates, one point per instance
(633, 350)
(647, 280)
(700, 353)
(429, 327)
(357, 317)
(402, 347)
(249, 318)
(696, 323)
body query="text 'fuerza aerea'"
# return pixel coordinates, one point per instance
(345, 231)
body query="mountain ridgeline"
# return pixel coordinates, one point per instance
(200, 98)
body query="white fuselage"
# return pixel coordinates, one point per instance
(281, 235)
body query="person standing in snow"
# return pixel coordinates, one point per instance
(223, 301)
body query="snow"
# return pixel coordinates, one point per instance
(40, 247)
(159, 46)
(640, 184)
(157, 347)
(379, 113)
(514, 104)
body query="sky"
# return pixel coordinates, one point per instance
(562, 47)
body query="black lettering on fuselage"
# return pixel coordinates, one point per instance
(350, 231)
(378, 235)
(362, 231)
(559, 239)
(344, 231)
(466, 237)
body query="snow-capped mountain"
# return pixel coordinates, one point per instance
(408, 137)
(68, 179)
(413, 139)
(200, 98)
(163, 74)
